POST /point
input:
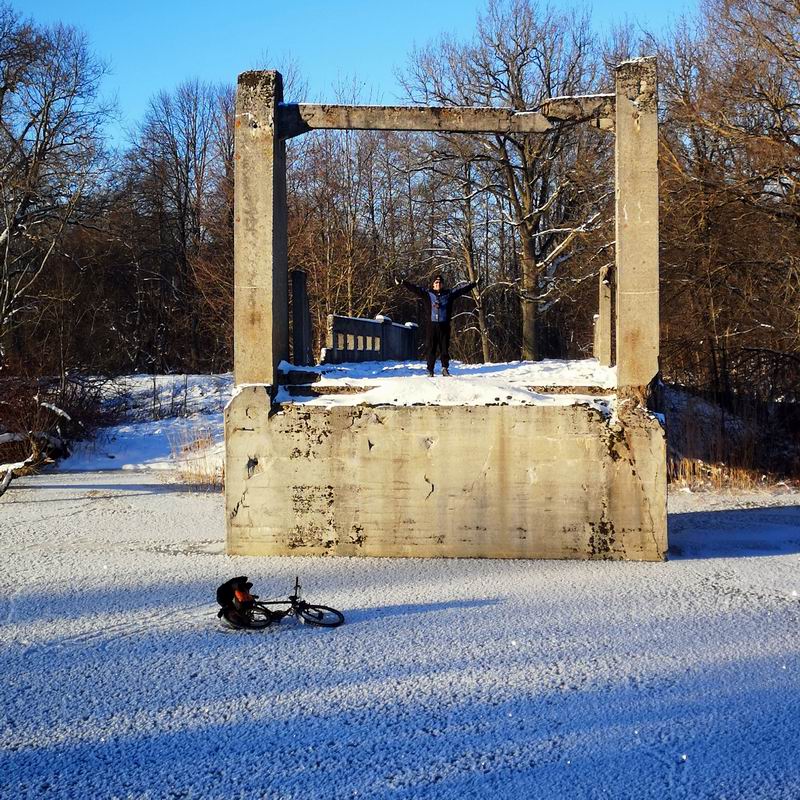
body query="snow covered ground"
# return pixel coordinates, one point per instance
(450, 679)
(161, 415)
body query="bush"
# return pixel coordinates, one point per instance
(39, 418)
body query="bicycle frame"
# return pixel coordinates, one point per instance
(302, 611)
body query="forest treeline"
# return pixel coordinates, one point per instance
(119, 259)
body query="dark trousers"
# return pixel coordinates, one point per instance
(438, 340)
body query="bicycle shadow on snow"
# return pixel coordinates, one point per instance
(197, 597)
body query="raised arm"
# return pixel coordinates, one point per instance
(456, 293)
(412, 287)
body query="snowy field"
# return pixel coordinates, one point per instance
(451, 678)
(160, 414)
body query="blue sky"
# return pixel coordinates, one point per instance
(152, 45)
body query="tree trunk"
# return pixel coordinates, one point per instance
(529, 305)
(472, 276)
(485, 343)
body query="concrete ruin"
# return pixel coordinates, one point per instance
(497, 481)
(350, 339)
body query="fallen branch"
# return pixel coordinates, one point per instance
(8, 469)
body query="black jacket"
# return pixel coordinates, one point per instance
(440, 304)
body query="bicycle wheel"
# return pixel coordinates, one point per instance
(253, 618)
(260, 617)
(323, 616)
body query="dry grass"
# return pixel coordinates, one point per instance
(697, 474)
(709, 449)
(197, 456)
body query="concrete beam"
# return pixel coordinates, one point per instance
(261, 294)
(636, 154)
(297, 118)
(597, 109)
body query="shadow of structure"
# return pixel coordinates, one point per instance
(197, 733)
(735, 533)
(119, 488)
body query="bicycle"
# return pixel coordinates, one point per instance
(245, 610)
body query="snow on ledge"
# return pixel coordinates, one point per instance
(406, 383)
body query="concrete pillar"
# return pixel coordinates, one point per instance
(261, 295)
(301, 320)
(602, 341)
(636, 223)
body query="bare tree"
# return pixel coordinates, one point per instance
(730, 162)
(171, 172)
(352, 216)
(524, 53)
(50, 142)
(455, 201)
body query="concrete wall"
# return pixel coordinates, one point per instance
(485, 481)
(354, 339)
(602, 320)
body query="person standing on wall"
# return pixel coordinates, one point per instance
(439, 302)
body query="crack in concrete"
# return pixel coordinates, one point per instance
(240, 504)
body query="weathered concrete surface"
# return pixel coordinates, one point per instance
(261, 290)
(636, 223)
(514, 481)
(475, 481)
(297, 118)
(597, 109)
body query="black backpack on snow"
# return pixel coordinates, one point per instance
(234, 595)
